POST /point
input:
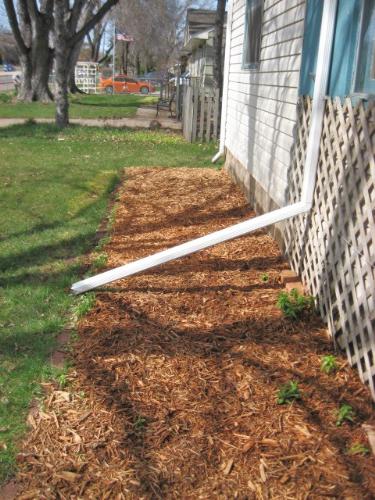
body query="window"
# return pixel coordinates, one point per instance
(119, 79)
(365, 71)
(253, 34)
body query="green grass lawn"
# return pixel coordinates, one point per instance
(81, 106)
(54, 192)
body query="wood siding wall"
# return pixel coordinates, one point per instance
(261, 112)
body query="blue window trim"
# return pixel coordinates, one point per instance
(354, 92)
(344, 61)
(250, 66)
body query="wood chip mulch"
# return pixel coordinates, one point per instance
(176, 371)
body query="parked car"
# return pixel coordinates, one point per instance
(122, 83)
(8, 67)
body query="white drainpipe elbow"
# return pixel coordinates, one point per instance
(242, 228)
(218, 155)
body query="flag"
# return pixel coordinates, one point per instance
(123, 37)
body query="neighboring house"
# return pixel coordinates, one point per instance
(199, 45)
(270, 64)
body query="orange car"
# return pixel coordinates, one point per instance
(122, 83)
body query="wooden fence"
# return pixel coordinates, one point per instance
(200, 112)
(333, 248)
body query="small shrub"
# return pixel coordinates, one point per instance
(5, 98)
(328, 364)
(345, 414)
(288, 393)
(358, 449)
(294, 304)
(264, 277)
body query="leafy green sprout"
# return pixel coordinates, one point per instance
(140, 423)
(264, 277)
(288, 393)
(62, 380)
(84, 304)
(358, 449)
(328, 364)
(345, 414)
(293, 304)
(100, 261)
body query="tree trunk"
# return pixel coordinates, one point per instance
(25, 93)
(61, 93)
(63, 55)
(42, 65)
(218, 45)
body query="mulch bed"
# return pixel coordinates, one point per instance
(176, 371)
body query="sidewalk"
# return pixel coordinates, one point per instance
(142, 119)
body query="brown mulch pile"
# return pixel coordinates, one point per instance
(173, 391)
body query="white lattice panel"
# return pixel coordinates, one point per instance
(333, 248)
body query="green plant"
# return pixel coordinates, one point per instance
(140, 423)
(328, 364)
(288, 393)
(62, 380)
(5, 98)
(358, 449)
(100, 261)
(293, 304)
(345, 414)
(84, 304)
(265, 277)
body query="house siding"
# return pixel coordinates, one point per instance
(261, 107)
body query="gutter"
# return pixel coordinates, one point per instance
(224, 104)
(273, 217)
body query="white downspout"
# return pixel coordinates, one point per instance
(312, 156)
(224, 104)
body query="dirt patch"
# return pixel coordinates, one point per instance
(173, 394)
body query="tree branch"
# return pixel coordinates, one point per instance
(106, 54)
(76, 14)
(93, 21)
(13, 21)
(33, 9)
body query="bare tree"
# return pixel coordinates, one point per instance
(157, 29)
(31, 24)
(94, 41)
(67, 34)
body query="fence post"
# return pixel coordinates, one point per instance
(216, 113)
(202, 112)
(195, 110)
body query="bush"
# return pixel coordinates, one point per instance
(5, 98)
(293, 304)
